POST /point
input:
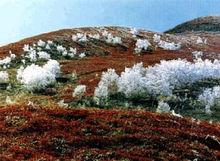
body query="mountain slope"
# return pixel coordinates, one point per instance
(41, 126)
(207, 24)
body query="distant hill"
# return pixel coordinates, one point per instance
(208, 24)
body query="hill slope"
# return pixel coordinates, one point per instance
(38, 126)
(208, 24)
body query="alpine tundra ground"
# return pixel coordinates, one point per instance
(52, 124)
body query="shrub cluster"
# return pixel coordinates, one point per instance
(36, 78)
(160, 81)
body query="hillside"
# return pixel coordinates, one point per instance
(104, 55)
(201, 24)
(51, 123)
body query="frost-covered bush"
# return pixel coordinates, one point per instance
(80, 37)
(109, 38)
(82, 55)
(163, 107)
(197, 54)
(132, 81)
(26, 48)
(169, 45)
(141, 45)
(210, 98)
(161, 79)
(35, 78)
(95, 36)
(6, 62)
(72, 52)
(53, 67)
(156, 38)
(46, 50)
(134, 32)
(79, 91)
(61, 49)
(4, 77)
(107, 86)
(32, 55)
(105, 33)
(41, 43)
(201, 40)
(43, 55)
(116, 40)
(164, 77)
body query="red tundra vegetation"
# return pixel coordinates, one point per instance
(28, 133)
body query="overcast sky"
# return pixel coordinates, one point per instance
(24, 18)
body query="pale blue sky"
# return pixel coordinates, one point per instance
(24, 18)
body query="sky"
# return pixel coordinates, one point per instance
(24, 18)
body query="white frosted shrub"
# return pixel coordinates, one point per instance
(30, 53)
(64, 53)
(34, 77)
(26, 48)
(80, 37)
(48, 47)
(116, 40)
(7, 60)
(42, 50)
(134, 32)
(210, 98)
(105, 33)
(201, 41)
(72, 52)
(109, 38)
(95, 36)
(156, 38)
(108, 85)
(49, 42)
(79, 91)
(163, 107)
(43, 55)
(82, 55)
(19, 73)
(4, 77)
(141, 45)
(197, 54)
(163, 78)
(169, 45)
(53, 67)
(12, 56)
(41, 43)
(131, 82)
(61, 49)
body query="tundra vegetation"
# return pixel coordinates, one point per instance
(59, 101)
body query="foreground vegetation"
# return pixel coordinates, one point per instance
(28, 132)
